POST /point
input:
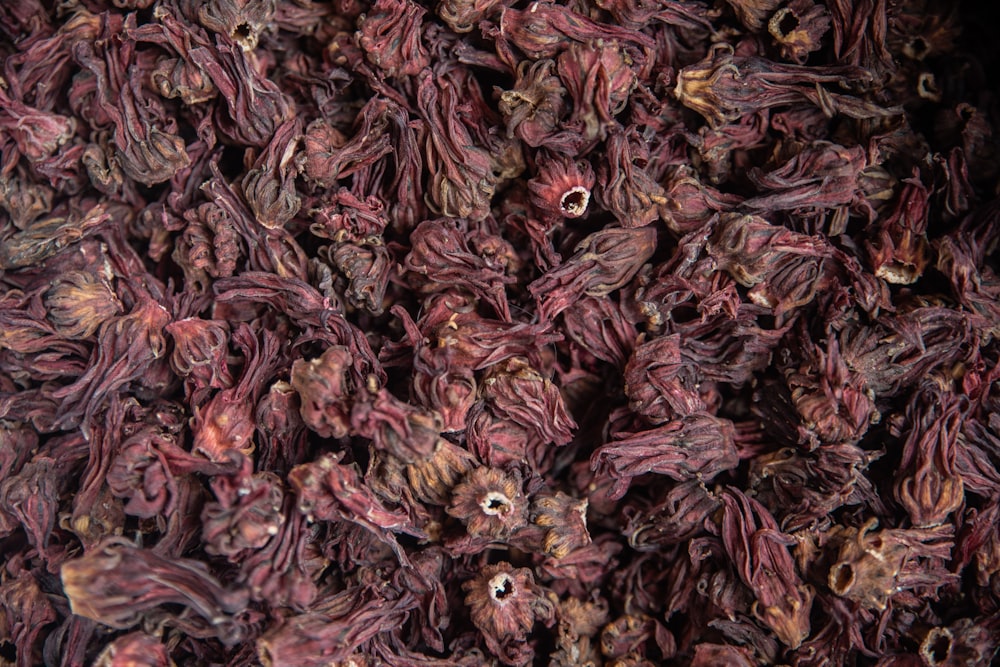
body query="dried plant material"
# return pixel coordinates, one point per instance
(108, 584)
(562, 187)
(414, 333)
(490, 502)
(760, 553)
(505, 603)
(872, 567)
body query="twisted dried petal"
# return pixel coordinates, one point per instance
(269, 187)
(462, 180)
(627, 189)
(136, 649)
(389, 35)
(518, 392)
(697, 446)
(762, 559)
(659, 383)
(533, 108)
(603, 262)
(599, 78)
(324, 389)
(927, 484)
(120, 585)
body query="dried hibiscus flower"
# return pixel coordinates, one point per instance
(505, 603)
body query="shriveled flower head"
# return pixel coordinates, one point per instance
(323, 386)
(798, 29)
(504, 603)
(490, 503)
(243, 21)
(873, 566)
(78, 302)
(565, 519)
(200, 349)
(562, 186)
(431, 478)
(136, 649)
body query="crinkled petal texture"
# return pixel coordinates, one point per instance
(427, 333)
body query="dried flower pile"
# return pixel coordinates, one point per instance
(610, 333)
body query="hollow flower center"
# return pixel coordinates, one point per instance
(501, 587)
(495, 503)
(574, 202)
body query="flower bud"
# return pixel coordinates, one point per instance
(78, 303)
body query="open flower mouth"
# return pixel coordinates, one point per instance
(574, 202)
(496, 503)
(501, 587)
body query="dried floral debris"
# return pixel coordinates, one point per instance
(481, 332)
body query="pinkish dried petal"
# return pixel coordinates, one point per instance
(599, 78)
(200, 351)
(135, 649)
(390, 37)
(603, 262)
(324, 388)
(269, 187)
(120, 585)
(533, 109)
(697, 446)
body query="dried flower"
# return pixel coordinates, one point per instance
(505, 603)
(562, 187)
(927, 483)
(79, 302)
(324, 389)
(697, 446)
(240, 20)
(760, 553)
(135, 649)
(598, 77)
(390, 37)
(533, 109)
(119, 582)
(872, 567)
(798, 29)
(602, 263)
(435, 478)
(566, 521)
(490, 502)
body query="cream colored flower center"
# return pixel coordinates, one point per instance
(495, 503)
(574, 201)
